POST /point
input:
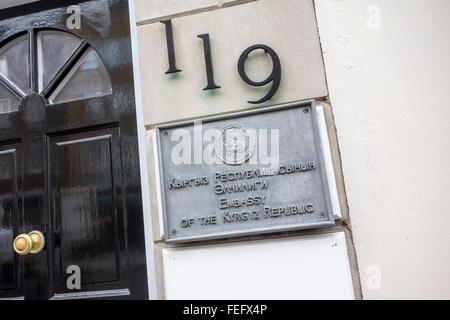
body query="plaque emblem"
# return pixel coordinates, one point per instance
(234, 145)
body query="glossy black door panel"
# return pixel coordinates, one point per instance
(87, 208)
(69, 160)
(10, 220)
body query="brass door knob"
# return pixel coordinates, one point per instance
(23, 244)
(32, 242)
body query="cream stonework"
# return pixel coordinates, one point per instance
(287, 26)
(151, 11)
(226, 3)
(179, 96)
(155, 10)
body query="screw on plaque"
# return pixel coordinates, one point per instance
(174, 231)
(322, 214)
(165, 133)
(306, 110)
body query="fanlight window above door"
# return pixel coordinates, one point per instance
(66, 69)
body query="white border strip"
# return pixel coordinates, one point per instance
(151, 272)
(158, 186)
(328, 161)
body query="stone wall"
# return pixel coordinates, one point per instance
(311, 263)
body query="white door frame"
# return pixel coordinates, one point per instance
(151, 272)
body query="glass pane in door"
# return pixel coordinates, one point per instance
(54, 48)
(88, 79)
(8, 101)
(14, 63)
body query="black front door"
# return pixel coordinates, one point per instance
(69, 165)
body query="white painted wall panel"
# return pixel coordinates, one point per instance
(388, 73)
(308, 267)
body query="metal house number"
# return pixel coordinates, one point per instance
(274, 77)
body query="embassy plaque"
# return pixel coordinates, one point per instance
(249, 172)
